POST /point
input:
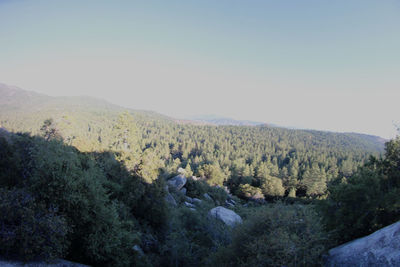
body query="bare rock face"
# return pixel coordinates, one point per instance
(177, 182)
(381, 248)
(229, 217)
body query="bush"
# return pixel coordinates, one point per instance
(10, 171)
(192, 237)
(366, 201)
(247, 191)
(272, 187)
(196, 188)
(276, 235)
(73, 181)
(29, 230)
(218, 194)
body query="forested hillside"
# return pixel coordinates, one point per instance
(92, 182)
(253, 162)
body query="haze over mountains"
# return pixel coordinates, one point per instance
(218, 120)
(15, 101)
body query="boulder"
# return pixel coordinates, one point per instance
(196, 201)
(189, 199)
(138, 249)
(189, 205)
(229, 217)
(229, 204)
(170, 200)
(177, 182)
(183, 190)
(207, 197)
(381, 248)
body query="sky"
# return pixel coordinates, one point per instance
(315, 64)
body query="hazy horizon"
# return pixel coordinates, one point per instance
(313, 65)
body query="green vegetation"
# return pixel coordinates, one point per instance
(276, 235)
(88, 183)
(368, 200)
(278, 161)
(61, 200)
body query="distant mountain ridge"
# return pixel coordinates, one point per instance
(217, 120)
(15, 99)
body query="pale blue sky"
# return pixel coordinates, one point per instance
(329, 65)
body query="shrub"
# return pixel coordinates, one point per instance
(247, 191)
(276, 235)
(192, 237)
(218, 194)
(196, 188)
(29, 230)
(366, 201)
(10, 170)
(272, 187)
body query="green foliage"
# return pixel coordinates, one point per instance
(28, 229)
(95, 226)
(49, 130)
(149, 166)
(188, 171)
(213, 174)
(314, 181)
(226, 155)
(105, 179)
(196, 188)
(366, 201)
(218, 194)
(247, 191)
(276, 235)
(272, 187)
(152, 206)
(9, 164)
(192, 237)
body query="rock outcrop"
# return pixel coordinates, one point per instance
(207, 197)
(177, 182)
(189, 205)
(138, 249)
(229, 217)
(381, 248)
(183, 190)
(170, 199)
(196, 201)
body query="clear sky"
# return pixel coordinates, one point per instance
(320, 64)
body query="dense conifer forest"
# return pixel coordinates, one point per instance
(88, 181)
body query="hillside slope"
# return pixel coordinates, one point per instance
(250, 160)
(22, 110)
